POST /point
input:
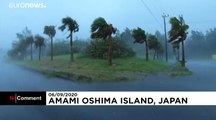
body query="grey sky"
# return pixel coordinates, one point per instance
(199, 14)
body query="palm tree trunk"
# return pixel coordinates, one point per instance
(110, 50)
(51, 48)
(154, 54)
(42, 51)
(146, 44)
(183, 54)
(39, 53)
(31, 53)
(157, 53)
(71, 46)
(178, 57)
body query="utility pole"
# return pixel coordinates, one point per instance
(164, 18)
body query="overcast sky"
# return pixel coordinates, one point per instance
(199, 14)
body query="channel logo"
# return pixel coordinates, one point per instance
(22, 98)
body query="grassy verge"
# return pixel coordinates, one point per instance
(178, 70)
(214, 57)
(96, 70)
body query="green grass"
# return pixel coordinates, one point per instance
(88, 69)
(214, 57)
(178, 70)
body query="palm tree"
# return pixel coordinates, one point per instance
(140, 37)
(179, 33)
(39, 42)
(30, 40)
(153, 44)
(50, 31)
(176, 45)
(72, 26)
(100, 29)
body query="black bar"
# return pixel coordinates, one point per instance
(22, 98)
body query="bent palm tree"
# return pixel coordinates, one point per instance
(72, 26)
(178, 34)
(140, 37)
(153, 44)
(39, 42)
(100, 29)
(50, 31)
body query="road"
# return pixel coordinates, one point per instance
(14, 78)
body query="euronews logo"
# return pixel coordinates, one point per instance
(26, 5)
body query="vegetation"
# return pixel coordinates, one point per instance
(140, 37)
(100, 29)
(201, 45)
(88, 62)
(72, 26)
(96, 70)
(50, 31)
(178, 70)
(30, 40)
(80, 46)
(39, 42)
(98, 49)
(155, 45)
(20, 48)
(178, 34)
(214, 57)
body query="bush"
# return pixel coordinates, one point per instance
(98, 48)
(60, 48)
(79, 46)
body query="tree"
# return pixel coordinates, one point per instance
(50, 31)
(127, 37)
(210, 39)
(161, 47)
(176, 45)
(25, 39)
(179, 33)
(140, 37)
(39, 42)
(100, 29)
(154, 44)
(30, 40)
(73, 27)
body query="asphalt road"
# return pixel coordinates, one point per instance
(14, 78)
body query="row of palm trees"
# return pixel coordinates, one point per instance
(100, 29)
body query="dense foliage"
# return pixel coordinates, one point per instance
(178, 34)
(201, 45)
(98, 48)
(139, 36)
(100, 29)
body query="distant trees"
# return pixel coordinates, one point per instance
(211, 40)
(72, 26)
(61, 47)
(20, 47)
(155, 45)
(140, 37)
(102, 30)
(50, 31)
(201, 45)
(30, 41)
(178, 34)
(126, 35)
(39, 42)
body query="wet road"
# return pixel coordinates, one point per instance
(14, 78)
